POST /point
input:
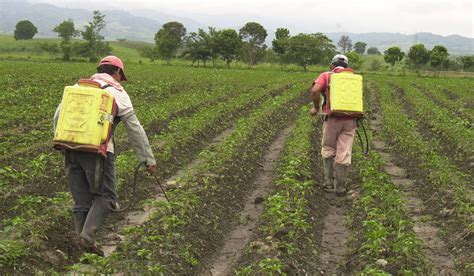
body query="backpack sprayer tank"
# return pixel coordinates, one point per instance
(85, 119)
(346, 94)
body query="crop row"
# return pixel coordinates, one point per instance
(382, 239)
(453, 103)
(193, 223)
(286, 241)
(453, 131)
(174, 148)
(442, 185)
(453, 88)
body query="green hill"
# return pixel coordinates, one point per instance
(34, 48)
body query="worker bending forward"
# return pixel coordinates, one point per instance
(92, 176)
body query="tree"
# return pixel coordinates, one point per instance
(355, 60)
(168, 39)
(253, 47)
(213, 44)
(95, 46)
(467, 62)
(308, 49)
(359, 47)
(418, 55)
(66, 31)
(198, 47)
(393, 55)
(253, 33)
(345, 44)
(280, 43)
(373, 51)
(24, 30)
(438, 56)
(230, 42)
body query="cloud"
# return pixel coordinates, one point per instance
(403, 16)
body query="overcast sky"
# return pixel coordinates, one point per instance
(445, 17)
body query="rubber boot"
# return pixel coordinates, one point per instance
(95, 219)
(328, 164)
(340, 182)
(79, 220)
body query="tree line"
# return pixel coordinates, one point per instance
(92, 47)
(203, 46)
(418, 56)
(247, 45)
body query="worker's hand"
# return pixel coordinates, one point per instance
(313, 111)
(151, 169)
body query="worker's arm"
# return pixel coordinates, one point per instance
(137, 137)
(315, 96)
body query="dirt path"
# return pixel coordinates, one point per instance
(427, 232)
(237, 239)
(335, 233)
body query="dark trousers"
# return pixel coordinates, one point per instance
(91, 176)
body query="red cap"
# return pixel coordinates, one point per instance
(115, 61)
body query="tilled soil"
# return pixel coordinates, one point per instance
(237, 239)
(334, 236)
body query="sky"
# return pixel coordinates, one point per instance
(444, 17)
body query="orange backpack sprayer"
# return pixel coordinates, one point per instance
(86, 118)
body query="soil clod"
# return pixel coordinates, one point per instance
(259, 200)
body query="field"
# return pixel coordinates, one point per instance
(239, 157)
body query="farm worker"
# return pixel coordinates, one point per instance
(338, 131)
(92, 177)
